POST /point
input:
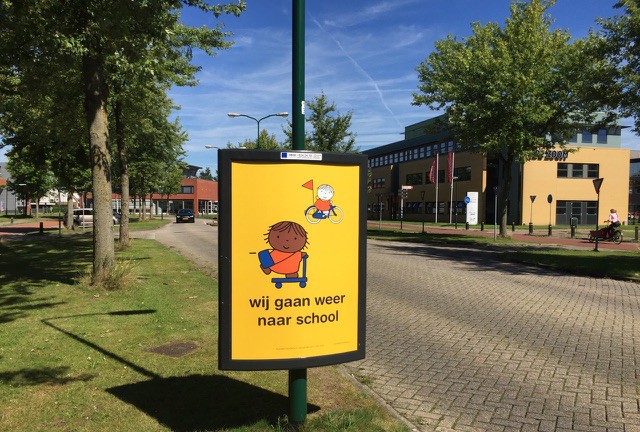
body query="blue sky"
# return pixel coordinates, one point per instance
(362, 54)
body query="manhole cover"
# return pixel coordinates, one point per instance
(175, 349)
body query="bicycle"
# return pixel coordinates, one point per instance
(314, 215)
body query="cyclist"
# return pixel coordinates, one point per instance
(614, 222)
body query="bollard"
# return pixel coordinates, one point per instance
(636, 232)
(11, 219)
(481, 226)
(41, 231)
(513, 226)
(573, 231)
(530, 228)
(466, 226)
(550, 231)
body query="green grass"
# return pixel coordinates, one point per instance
(614, 264)
(75, 358)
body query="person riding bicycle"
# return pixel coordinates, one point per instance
(614, 222)
(323, 203)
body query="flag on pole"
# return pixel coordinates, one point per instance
(433, 173)
(308, 185)
(450, 157)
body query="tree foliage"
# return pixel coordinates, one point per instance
(509, 91)
(329, 129)
(102, 43)
(619, 48)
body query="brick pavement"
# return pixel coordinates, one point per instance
(458, 341)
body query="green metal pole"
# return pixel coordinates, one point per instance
(298, 377)
(298, 75)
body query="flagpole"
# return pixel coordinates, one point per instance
(437, 169)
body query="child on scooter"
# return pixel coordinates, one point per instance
(287, 240)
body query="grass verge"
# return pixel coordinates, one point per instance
(613, 264)
(79, 359)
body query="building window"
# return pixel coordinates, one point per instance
(414, 179)
(450, 146)
(386, 160)
(567, 170)
(602, 136)
(415, 153)
(186, 189)
(428, 151)
(443, 148)
(421, 152)
(563, 170)
(463, 173)
(395, 158)
(577, 170)
(378, 183)
(587, 137)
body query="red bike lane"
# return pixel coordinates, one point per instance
(567, 242)
(25, 228)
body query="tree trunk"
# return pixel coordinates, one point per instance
(124, 176)
(503, 194)
(69, 221)
(97, 122)
(143, 206)
(37, 207)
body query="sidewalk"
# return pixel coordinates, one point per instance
(559, 238)
(20, 228)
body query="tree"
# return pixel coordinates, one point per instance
(92, 36)
(330, 129)
(508, 92)
(619, 46)
(206, 174)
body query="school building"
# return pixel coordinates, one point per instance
(553, 189)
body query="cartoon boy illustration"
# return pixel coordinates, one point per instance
(323, 203)
(287, 240)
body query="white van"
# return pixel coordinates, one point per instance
(84, 217)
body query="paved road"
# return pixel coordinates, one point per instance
(197, 241)
(457, 341)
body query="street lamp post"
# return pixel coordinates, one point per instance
(281, 114)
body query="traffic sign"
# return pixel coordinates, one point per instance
(597, 183)
(467, 200)
(533, 198)
(549, 199)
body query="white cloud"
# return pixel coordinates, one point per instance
(370, 13)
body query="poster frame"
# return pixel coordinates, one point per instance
(226, 157)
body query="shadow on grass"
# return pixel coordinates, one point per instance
(29, 376)
(204, 402)
(26, 267)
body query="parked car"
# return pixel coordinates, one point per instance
(185, 215)
(84, 217)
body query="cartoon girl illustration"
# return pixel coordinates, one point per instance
(323, 203)
(287, 240)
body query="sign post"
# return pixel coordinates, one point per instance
(550, 200)
(533, 198)
(597, 183)
(292, 275)
(403, 194)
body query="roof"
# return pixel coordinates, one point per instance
(408, 143)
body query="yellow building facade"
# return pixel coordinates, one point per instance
(401, 188)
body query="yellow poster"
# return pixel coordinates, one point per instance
(294, 259)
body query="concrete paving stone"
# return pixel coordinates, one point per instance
(546, 346)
